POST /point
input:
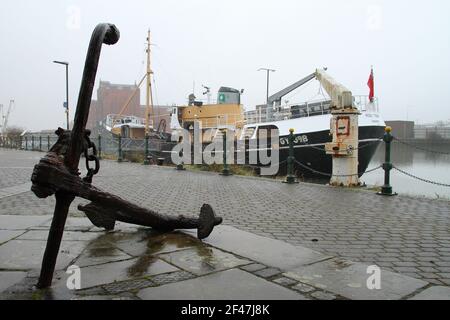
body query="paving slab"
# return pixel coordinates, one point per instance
(17, 189)
(13, 222)
(73, 224)
(203, 260)
(304, 288)
(349, 279)
(68, 235)
(101, 297)
(9, 278)
(320, 295)
(270, 252)
(119, 271)
(6, 235)
(232, 284)
(96, 254)
(27, 254)
(267, 273)
(149, 242)
(433, 293)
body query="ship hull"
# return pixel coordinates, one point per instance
(310, 158)
(310, 136)
(312, 161)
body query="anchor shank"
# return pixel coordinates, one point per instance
(63, 201)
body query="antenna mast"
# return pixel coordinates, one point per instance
(149, 98)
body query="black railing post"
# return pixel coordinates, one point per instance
(99, 147)
(48, 143)
(386, 189)
(290, 178)
(119, 158)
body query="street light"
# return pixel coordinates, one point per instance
(67, 89)
(268, 71)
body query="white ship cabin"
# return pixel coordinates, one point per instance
(304, 117)
(127, 126)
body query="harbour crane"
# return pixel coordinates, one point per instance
(340, 96)
(5, 118)
(343, 125)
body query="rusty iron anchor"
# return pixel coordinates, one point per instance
(57, 173)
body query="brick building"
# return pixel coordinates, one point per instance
(110, 100)
(112, 97)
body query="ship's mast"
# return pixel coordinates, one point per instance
(149, 98)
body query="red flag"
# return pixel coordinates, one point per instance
(370, 83)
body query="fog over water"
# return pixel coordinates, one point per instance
(223, 43)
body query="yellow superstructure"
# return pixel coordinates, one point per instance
(212, 116)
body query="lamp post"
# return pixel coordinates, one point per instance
(267, 83)
(67, 89)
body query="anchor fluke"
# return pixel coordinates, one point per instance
(207, 221)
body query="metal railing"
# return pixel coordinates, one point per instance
(308, 109)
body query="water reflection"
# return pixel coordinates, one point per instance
(424, 164)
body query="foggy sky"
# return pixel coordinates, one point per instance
(223, 43)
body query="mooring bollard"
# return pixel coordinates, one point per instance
(146, 159)
(99, 153)
(48, 143)
(119, 158)
(225, 170)
(290, 178)
(386, 189)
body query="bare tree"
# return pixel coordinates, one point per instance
(14, 132)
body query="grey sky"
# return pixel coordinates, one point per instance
(223, 43)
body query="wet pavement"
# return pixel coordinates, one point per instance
(237, 261)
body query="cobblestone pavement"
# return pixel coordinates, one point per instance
(401, 234)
